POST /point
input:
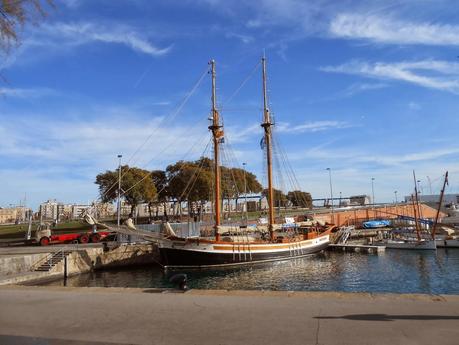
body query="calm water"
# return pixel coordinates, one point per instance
(393, 271)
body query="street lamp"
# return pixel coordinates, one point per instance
(331, 195)
(373, 190)
(119, 191)
(396, 201)
(245, 195)
(419, 187)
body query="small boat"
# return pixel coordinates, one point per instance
(235, 245)
(447, 242)
(410, 244)
(375, 224)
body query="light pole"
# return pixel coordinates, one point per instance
(245, 195)
(430, 185)
(419, 187)
(396, 201)
(373, 190)
(119, 191)
(331, 195)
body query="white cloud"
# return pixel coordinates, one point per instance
(361, 87)
(440, 75)
(361, 157)
(414, 106)
(381, 29)
(76, 34)
(314, 126)
(95, 143)
(26, 93)
(246, 39)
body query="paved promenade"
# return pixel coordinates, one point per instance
(57, 315)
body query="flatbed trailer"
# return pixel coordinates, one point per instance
(85, 237)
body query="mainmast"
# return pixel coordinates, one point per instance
(268, 143)
(445, 182)
(418, 226)
(217, 134)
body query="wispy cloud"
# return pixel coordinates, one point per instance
(360, 156)
(246, 39)
(385, 29)
(80, 33)
(357, 88)
(440, 75)
(26, 93)
(314, 126)
(414, 106)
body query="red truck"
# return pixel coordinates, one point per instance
(44, 237)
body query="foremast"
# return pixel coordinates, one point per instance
(217, 134)
(267, 124)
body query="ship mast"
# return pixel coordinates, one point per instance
(416, 205)
(268, 142)
(445, 182)
(217, 134)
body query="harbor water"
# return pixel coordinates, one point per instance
(394, 271)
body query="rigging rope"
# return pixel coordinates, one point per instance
(172, 116)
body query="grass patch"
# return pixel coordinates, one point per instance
(18, 231)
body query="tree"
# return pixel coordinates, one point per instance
(189, 181)
(300, 199)
(13, 16)
(280, 199)
(136, 184)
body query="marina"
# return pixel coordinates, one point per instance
(390, 271)
(228, 172)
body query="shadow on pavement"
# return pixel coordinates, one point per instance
(386, 317)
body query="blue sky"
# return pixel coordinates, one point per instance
(367, 88)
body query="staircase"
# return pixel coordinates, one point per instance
(47, 264)
(343, 234)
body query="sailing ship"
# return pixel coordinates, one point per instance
(233, 245)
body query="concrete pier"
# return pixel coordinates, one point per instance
(357, 248)
(17, 265)
(56, 315)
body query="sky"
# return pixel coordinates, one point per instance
(369, 89)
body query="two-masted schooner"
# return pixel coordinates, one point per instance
(232, 245)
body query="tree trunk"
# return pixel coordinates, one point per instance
(149, 212)
(165, 211)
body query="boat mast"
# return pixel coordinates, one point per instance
(439, 206)
(268, 142)
(415, 218)
(217, 133)
(416, 205)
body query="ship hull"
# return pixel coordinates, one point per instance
(201, 255)
(423, 245)
(453, 243)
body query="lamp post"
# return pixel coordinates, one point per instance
(119, 191)
(430, 185)
(396, 201)
(373, 190)
(245, 195)
(331, 195)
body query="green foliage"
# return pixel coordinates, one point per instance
(181, 181)
(280, 199)
(300, 199)
(189, 180)
(136, 184)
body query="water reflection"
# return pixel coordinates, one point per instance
(393, 271)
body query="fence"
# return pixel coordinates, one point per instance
(181, 229)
